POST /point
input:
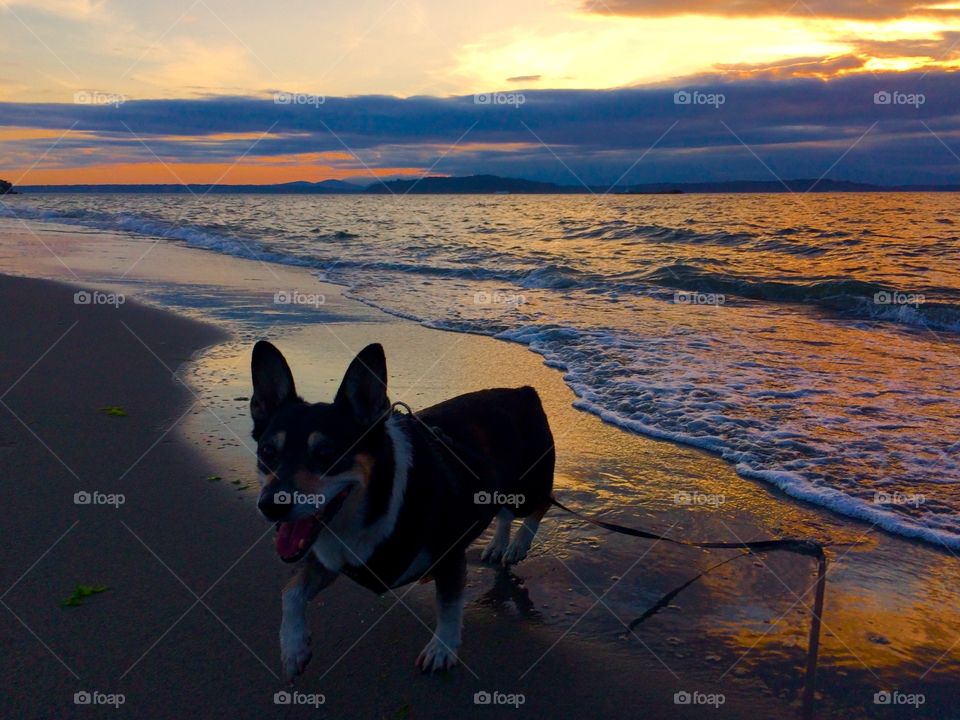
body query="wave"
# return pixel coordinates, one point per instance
(851, 298)
(339, 235)
(567, 349)
(557, 277)
(855, 298)
(623, 230)
(193, 235)
(791, 240)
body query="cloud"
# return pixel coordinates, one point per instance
(797, 127)
(944, 47)
(524, 78)
(855, 9)
(867, 54)
(73, 9)
(819, 67)
(186, 63)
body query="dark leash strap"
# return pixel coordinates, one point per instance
(809, 548)
(801, 547)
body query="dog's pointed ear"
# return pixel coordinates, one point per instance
(272, 385)
(363, 392)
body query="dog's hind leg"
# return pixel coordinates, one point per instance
(441, 652)
(524, 537)
(294, 635)
(493, 552)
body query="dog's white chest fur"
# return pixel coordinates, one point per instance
(346, 541)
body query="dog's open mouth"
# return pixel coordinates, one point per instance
(294, 538)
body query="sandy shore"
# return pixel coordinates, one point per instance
(740, 632)
(187, 626)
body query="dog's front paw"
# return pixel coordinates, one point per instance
(295, 653)
(437, 656)
(493, 552)
(516, 552)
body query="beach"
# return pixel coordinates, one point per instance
(189, 619)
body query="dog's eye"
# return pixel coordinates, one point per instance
(319, 454)
(268, 453)
(323, 458)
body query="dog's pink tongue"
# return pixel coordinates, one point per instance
(291, 534)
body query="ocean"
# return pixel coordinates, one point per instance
(810, 340)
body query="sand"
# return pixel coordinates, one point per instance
(187, 626)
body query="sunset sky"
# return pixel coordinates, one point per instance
(251, 92)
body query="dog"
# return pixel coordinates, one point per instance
(389, 498)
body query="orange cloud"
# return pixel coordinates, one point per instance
(223, 137)
(246, 173)
(941, 52)
(317, 158)
(468, 147)
(855, 9)
(823, 68)
(12, 134)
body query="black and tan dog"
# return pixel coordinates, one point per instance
(386, 498)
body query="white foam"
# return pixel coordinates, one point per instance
(791, 459)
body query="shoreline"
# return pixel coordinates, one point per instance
(346, 307)
(162, 635)
(639, 475)
(845, 436)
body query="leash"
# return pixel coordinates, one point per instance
(808, 548)
(801, 547)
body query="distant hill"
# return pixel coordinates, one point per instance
(6, 188)
(473, 184)
(492, 184)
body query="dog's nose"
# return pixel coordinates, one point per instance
(268, 505)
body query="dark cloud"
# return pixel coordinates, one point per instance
(797, 126)
(524, 78)
(875, 10)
